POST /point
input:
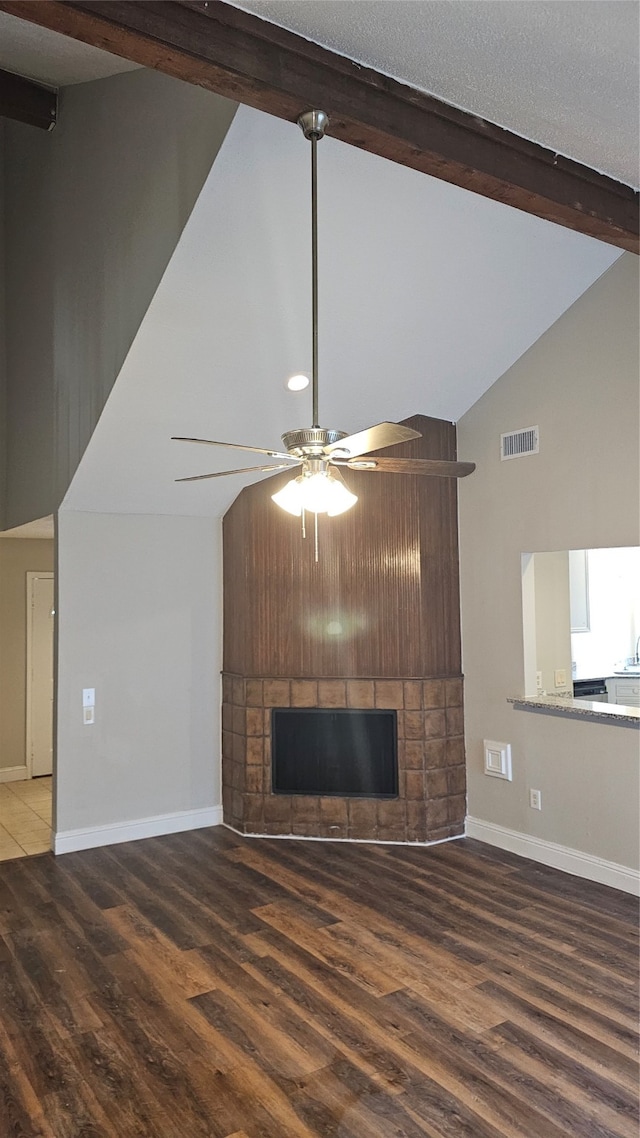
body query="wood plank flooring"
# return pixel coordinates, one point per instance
(206, 986)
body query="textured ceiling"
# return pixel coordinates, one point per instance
(50, 58)
(561, 72)
(428, 293)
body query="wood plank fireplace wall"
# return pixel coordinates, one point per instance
(374, 623)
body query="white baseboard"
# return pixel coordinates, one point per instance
(559, 857)
(67, 841)
(13, 774)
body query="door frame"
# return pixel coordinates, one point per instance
(31, 577)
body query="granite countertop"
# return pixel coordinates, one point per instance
(582, 708)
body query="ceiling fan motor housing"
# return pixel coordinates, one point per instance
(308, 441)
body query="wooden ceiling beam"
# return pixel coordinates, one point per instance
(27, 102)
(244, 58)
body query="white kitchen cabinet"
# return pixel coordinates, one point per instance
(624, 690)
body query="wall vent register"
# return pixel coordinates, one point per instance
(497, 759)
(345, 752)
(517, 444)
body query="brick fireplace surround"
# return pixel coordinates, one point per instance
(431, 767)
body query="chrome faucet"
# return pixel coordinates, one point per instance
(636, 658)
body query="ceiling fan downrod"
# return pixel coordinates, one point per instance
(313, 125)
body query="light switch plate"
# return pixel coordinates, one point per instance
(88, 697)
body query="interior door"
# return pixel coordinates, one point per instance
(40, 673)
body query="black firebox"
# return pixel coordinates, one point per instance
(345, 752)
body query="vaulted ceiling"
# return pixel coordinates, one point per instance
(427, 294)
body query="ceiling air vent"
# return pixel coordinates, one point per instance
(515, 444)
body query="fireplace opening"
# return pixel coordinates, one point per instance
(346, 752)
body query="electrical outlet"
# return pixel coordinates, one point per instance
(535, 800)
(560, 678)
(539, 682)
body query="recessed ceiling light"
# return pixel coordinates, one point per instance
(298, 382)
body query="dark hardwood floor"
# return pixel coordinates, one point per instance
(204, 986)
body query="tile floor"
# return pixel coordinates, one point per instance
(25, 817)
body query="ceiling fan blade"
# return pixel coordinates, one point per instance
(373, 438)
(242, 470)
(235, 446)
(441, 468)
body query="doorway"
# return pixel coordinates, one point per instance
(39, 726)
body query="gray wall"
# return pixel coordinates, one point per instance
(93, 213)
(3, 346)
(140, 621)
(17, 558)
(579, 383)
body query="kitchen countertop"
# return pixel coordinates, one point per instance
(579, 708)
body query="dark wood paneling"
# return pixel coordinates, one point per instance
(204, 986)
(387, 577)
(243, 57)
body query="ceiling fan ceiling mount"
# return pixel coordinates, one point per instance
(313, 123)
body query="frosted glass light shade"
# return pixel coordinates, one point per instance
(318, 493)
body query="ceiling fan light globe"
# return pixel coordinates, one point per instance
(324, 494)
(343, 500)
(290, 498)
(315, 493)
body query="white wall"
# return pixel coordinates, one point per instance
(139, 619)
(579, 383)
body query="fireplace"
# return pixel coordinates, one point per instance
(324, 751)
(430, 803)
(371, 627)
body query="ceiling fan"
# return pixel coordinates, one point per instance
(320, 451)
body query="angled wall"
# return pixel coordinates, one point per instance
(93, 213)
